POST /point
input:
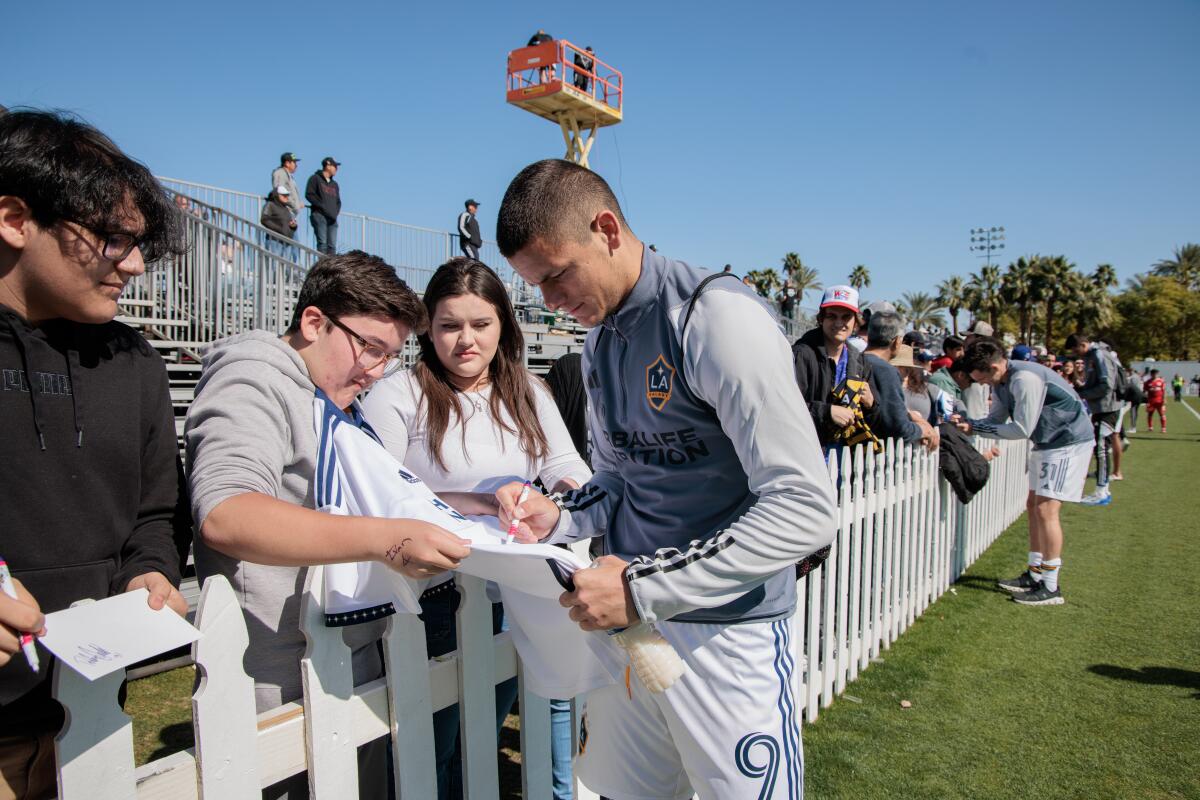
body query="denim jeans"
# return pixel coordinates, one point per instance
(325, 230)
(562, 738)
(441, 637)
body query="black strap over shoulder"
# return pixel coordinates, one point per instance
(696, 296)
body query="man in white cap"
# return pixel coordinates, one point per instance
(824, 361)
(278, 218)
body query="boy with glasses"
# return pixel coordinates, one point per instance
(89, 463)
(252, 451)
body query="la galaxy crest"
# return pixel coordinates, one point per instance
(660, 380)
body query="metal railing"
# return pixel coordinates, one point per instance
(224, 284)
(413, 250)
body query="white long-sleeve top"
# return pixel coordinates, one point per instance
(480, 455)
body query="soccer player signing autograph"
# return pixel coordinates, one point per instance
(709, 485)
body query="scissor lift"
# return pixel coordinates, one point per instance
(544, 79)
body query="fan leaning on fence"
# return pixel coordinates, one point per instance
(252, 453)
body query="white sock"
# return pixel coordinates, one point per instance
(1035, 561)
(1050, 573)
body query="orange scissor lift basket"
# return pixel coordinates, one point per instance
(544, 79)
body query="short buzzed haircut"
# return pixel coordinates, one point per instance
(982, 353)
(883, 328)
(356, 283)
(1077, 339)
(951, 343)
(553, 200)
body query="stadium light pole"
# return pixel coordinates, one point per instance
(986, 241)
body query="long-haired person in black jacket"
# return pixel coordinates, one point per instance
(88, 457)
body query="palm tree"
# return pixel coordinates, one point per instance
(983, 294)
(860, 276)
(1054, 283)
(1185, 267)
(804, 279)
(1017, 287)
(1104, 276)
(1090, 304)
(921, 310)
(952, 295)
(766, 281)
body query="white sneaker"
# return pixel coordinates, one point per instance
(1098, 498)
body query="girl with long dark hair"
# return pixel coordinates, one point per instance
(467, 419)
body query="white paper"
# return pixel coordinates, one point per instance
(524, 567)
(97, 638)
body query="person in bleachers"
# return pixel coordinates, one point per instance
(469, 237)
(284, 175)
(324, 198)
(89, 464)
(278, 218)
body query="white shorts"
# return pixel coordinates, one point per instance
(1061, 472)
(728, 729)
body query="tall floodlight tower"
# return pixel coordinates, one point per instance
(567, 85)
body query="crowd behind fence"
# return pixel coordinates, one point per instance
(902, 540)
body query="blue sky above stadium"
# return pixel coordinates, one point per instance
(871, 132)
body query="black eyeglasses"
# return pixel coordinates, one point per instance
(114, 245)
(371, 356)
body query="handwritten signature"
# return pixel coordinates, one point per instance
(94, 654)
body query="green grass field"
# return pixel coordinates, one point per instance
(1097, 699)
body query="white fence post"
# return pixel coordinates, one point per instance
(477, 691)
(328, 679)
(94, 750)
(410, 707)
(223, 719)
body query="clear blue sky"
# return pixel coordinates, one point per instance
(849, 132)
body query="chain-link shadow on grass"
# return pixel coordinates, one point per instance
(1155, 676)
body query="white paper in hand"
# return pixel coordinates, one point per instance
(95, 639)
(541, 570)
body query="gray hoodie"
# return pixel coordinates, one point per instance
(250, 429)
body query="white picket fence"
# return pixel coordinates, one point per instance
(902, 540)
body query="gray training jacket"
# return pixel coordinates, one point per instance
(1035, 403)
(708, 474)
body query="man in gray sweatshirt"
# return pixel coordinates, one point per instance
(708, 486)
(252, 452)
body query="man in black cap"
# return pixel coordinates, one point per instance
(324, 198)
(583, 69)
(468, 230)
(282, 176)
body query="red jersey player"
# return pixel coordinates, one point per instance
(1156, 398)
